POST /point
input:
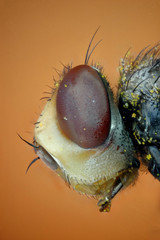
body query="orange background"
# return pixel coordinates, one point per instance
(35, 36)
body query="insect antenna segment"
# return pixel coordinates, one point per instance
(30, 144)
(33, 161)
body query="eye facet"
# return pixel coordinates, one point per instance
(83, 109)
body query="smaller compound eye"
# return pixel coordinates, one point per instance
(83, 109)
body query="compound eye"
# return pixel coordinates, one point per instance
(83, 109)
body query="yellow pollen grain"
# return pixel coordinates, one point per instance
(120, 68)
(139, 142)
(65, 85)
(150, 140)
(148, 156)
(133, 115)
(41, 124)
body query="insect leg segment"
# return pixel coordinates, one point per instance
(125, 178)
(105, 203)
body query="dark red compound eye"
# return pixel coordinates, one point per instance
(83, 109)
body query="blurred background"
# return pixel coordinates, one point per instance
(35, 35)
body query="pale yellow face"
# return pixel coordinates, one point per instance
(99, 171)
